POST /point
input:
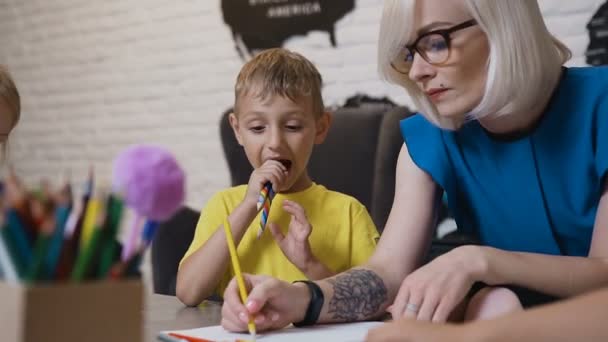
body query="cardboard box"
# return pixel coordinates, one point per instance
(96, 311)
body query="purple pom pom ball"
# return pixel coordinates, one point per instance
(151, 181)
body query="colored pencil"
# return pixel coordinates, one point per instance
(237, 273)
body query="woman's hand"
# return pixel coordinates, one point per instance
(407, 330)
(431, 292)
(272, 303)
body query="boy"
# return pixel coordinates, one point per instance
(312, 232)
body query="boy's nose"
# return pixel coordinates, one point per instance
(275, 138)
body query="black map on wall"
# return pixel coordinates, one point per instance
(597, 52)
(264, 24)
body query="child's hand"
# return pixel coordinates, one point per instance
(271, 171)
(295, 244)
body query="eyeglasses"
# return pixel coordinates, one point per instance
(433, 47)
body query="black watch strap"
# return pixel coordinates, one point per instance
(314, 307)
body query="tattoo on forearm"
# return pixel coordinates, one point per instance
(358, 294)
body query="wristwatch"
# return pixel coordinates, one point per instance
(314, 306)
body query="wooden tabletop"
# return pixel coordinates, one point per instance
(168, 313)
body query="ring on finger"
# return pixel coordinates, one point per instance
(411, 307)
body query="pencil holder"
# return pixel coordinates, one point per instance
(72, 312)
(65, 275)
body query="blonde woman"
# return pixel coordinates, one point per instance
(517, 141)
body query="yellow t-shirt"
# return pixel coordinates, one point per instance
(343, 234)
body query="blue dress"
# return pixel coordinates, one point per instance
(537, 192)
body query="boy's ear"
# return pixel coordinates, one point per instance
(234, 123)
(323, 125)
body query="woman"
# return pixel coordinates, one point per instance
(519, 144)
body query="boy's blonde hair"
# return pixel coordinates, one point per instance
(523, 66)
(280, 72)
(10, 94)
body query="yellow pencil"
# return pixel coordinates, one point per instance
(88, 223)
(237, 273)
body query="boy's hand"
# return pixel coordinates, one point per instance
(295, 244)
(271, 171)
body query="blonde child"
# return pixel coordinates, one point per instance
(313, 232)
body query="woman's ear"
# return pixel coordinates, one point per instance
(234, 123)
(323, 125)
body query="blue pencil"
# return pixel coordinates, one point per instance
(147, 234)
(54, 250)
(19, 238)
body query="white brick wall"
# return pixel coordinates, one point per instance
(96, 76)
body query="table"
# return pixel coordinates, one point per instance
(168, 313)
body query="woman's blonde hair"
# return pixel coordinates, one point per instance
(523, 67)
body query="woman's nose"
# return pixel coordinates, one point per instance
(421, 69)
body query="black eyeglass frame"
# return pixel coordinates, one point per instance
(445, 33)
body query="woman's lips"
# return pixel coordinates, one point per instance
(435, 94)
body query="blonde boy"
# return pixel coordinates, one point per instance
(313, 232)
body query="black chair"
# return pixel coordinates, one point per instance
(389, 145)
(172, 239)
(358, 157)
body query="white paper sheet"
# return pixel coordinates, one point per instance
(349, 332)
